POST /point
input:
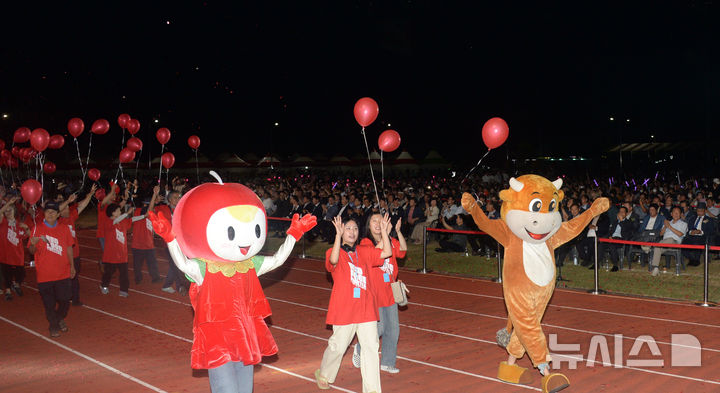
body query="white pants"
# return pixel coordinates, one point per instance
(367, 335)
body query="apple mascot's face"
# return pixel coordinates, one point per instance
(220, 222)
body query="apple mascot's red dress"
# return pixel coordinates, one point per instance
(217, 230)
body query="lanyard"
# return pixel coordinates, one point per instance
(350, 256)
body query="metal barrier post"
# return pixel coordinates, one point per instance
(303, 247)
(705, 280)
(424, 268)
(499, 263)
(597, 290)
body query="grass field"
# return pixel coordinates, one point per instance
(637, 281)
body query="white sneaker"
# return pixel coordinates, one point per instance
(104, 290)
(389, 369)
(356, 357)
(123, 294)
(655, 271)
(169, 289)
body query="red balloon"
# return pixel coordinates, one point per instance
(126, 155)
(133, 126)
(31, 191)
(93, 174)
(194, 142)
(134, 144)
(123, 119)
(16, 151)
(100, 126)
(168, 160)
(75, 127)
(5, 154)
(2, 144)
(39, 139)
(56, 141)
(49, 168)
(389, 140)
(21, 135)
(495, 132)
(366, 111)
(163, 135)
(13, 162)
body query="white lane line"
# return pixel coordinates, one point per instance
(453, 370)
(464, 337)
(130, 321)
(86, 357)
(503, 318)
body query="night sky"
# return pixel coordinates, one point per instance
(229, 72)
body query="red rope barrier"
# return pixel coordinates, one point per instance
(455, 231)
(279, 219)
(666, 245)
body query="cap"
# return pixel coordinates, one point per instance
(52, 205)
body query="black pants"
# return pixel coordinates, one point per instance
(149, 257)
(75, 282)
(12, 273)
(586, 250)
(447, 245)
(174, 275)
(109, 270)
(693, 255)
(56, 300)
(613, 248)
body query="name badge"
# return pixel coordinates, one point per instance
(386, 277)
(356, 293)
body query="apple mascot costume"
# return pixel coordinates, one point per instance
(217, 230)
(530, 229)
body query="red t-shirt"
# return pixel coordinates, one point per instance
(382, 276)
(11, 243)
(116, 241)
(352, 299)
(70, 222)
(142, 238)
(51, 258)
(101, 218)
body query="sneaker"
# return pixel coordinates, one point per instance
(54, 333)
(356, 356)
(168, 289)
(104, 290)
(614, 269)
(389, 369)
(17, 289)
(63, 326)
(77, 303)
(123, 294)
(8, 296)
(655, 271)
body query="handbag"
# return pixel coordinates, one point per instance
(400, 292)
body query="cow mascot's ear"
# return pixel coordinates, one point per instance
(515, 185)
(558, 183)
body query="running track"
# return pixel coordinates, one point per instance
(142, 343)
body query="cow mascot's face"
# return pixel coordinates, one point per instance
(531, 207)
(220, 222)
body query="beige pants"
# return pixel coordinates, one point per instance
(657, 253)
(369, 360)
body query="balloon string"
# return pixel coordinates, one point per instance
(87, 163)
(476, 165)
(162, 149)
(42, 176)
(197, 171)
(82, 171)
(371, 168)
(382, 168)
(137, 164)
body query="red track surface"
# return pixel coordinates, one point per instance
(447, 335)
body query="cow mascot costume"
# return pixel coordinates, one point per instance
(216, 233)
(530, 229)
